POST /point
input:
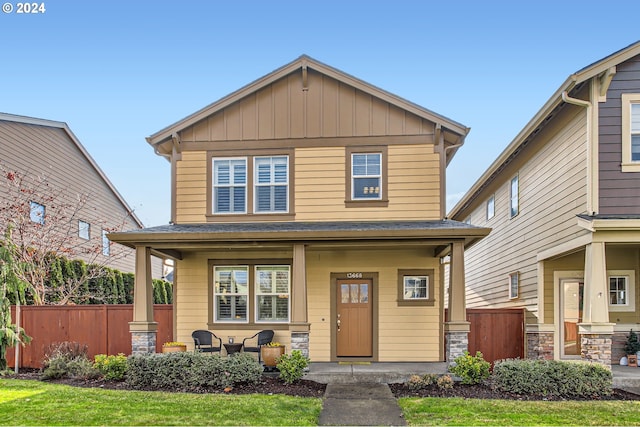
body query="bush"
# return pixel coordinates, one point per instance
(553, 378)
(291, 366)
(190, 371)
(471, 369)
(417, 382)
(68, 360)
(111, 367)
(445, 382)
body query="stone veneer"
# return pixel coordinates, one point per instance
(300, 341)
(457, 344)
(596, 348)
(143, 342)
(540, 345)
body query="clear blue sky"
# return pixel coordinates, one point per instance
(118, 71)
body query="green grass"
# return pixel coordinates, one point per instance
(40, 403)
(480, 412)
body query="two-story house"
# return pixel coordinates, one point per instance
(563, 201)
(311, 203)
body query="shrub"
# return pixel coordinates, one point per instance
(445, 382)
(553, 378)
(190, 371)
(417, 382)
(471, 369)
(291, 366)
(111, 367)
(68, 360)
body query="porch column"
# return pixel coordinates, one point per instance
(595, 330)
(456, 327)
(299, 326)
(143, 329)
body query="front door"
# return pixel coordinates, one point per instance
(571, 293)
(354, 318)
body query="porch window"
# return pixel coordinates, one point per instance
(229, 186)
(514, 285)
(622, 290)
(231, 293)
(272, 293)
(515, 202)
(271, 184)
(618, 294)
(415, 287)
(630, 132)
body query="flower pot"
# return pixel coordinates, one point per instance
(174, 348)
(270, 355)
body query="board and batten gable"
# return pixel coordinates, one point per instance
(552, 177)
(619, 191)
(48, 152)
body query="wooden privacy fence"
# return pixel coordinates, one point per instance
(497, 333)
(103, 328)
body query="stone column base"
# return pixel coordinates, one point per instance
(596, 348)
(143, 342)
(457, 344)
(300, 341)
(540, 345)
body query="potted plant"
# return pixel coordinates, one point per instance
(632, 347)
(270, 353)
(173, 346)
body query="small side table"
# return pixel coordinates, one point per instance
(232, 348)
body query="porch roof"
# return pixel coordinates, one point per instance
(176, 236)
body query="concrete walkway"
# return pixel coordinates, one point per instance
(360, 404)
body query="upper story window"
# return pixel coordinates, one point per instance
(106, 244)
(229, 186)
(514, 206)
(37, 212)
(491, 206)
(366, 175)
(631, 132)
(514, 285)
(271, 184)
(84, 230)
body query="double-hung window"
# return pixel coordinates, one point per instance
(272, 293)
(366, 176)
(229, 186)
(271, 184)
(231, 293)
(621, 290)
(630, 132)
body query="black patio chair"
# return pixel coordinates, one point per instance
(204, 341)
(264, 337)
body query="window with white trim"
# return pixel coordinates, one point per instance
(36, 212)
(84, 230)
(231, 293)
(416, 287)
(271, 184)
(366, 176)
(491, 206)
(514, 205)
(229, 186)
(273, 284)
(630, 132)
(621, 290)
(514, 285)
(106, 244)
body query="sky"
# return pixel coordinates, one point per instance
(118, 71)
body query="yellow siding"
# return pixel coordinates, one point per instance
(191, 187)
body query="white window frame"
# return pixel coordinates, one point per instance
(84, 230)
(514, 196)
(232, 185)
(217, 293)
(405, 292)
(491, 206)
(37, 212)
(630, 277)
(271, 184)
(628, 164)
(377, 176)
(514, 276)
(106, 244)
(258, 292)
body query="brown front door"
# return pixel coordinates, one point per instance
(354, 322)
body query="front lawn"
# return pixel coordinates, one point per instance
(478, 412)
(28, 402)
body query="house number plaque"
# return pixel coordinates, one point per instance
(354, 275)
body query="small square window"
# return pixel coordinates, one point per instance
(84, 230)
(514, 285)
(416, 287)
(491, 206)
(106, 244)
(37, 212)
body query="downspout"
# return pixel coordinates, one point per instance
(589, 106)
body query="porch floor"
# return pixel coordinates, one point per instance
(396, 372)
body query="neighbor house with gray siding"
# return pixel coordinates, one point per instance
(563, 201)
